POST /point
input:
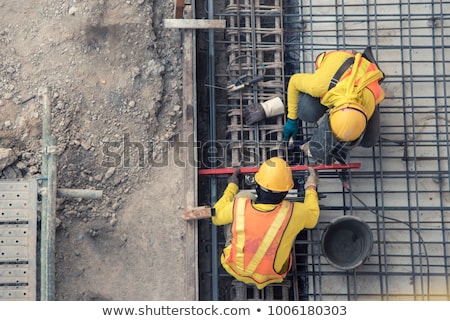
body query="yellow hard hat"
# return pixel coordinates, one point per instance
(275, 175)
(348, 121)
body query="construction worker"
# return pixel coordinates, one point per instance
(342, 96)
(261, 229)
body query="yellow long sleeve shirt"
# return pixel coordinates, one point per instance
(304, 215)
(317, 84)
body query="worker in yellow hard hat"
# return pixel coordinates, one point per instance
(342, 96)
(261, 229)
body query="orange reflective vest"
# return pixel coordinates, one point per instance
(250, 257)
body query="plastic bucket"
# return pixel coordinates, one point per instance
(347, 242)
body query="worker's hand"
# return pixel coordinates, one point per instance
(290, 129)
(305, 149)
(234, 177)
(259, 111)
(313, 178)
(254, 113)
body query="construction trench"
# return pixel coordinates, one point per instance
(401, 189)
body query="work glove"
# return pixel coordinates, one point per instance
(234, 177)
(305, 149)
(313, 178)
(290, 129)
(256, 112)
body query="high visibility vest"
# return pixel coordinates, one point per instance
(250, 257)
(364, 74)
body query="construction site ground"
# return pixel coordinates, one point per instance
(127, 91)
(115, 74)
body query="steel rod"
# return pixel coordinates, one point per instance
(295, 168)
(47, 220)
(212, 136)
(79, 193)
(51, 220)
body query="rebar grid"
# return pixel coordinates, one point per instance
(254, 44)
(402, 189)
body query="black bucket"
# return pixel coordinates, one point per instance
(347, 242)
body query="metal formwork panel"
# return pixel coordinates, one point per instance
(18, 237)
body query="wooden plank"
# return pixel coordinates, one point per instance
(179, 6)
(190, 175)
(194, 24)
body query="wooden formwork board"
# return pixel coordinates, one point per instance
(190, 178)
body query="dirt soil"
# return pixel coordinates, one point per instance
(115, 75)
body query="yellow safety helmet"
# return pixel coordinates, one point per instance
(275, 175)
(348, 121)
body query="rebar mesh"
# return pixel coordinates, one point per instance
(402, 189)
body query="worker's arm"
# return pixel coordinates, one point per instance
(311, 201)
(301, 83)
(224, 206)
(311, 207)
(315, 84)
(304, 215)
(309, 210)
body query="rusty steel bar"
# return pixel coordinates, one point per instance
(255, 49)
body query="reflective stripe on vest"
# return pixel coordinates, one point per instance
(282, 216)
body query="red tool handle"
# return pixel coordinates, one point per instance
(295, 168)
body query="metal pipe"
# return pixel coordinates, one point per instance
(248, 170)
(212, 137)
(79, 193)
(46, 289)
(52, 182)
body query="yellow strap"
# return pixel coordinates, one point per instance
(351, 81)
(340, 95)
(268, 238)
